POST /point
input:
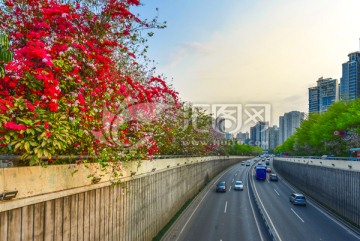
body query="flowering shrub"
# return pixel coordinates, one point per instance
(70, 63)
(74, 85)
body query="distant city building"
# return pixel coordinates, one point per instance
(288, 124)
(323, 95)
(242, 137)
(281, 130)
(328, 93)
(350, 80)
(273, 137)
(228, 136)
(252, 135)
(258, 134)
(313, 100)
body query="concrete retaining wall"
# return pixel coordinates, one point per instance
(137, 209)
(337, 189)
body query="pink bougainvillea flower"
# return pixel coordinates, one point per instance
(13, 126)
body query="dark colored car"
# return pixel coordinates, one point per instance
(221, 187)
(297, 199)
(273, 177)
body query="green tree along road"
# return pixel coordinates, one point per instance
(330, 133)
(243, 149)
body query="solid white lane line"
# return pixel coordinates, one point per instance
(268, 216)
(277, 192)
(225, 207)
(253, 212)
(336, 221)
(328, 215)
(182, 230)
(297, 215)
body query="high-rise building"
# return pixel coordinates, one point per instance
(350, 80)
(328, 93)
(323, 95)
(281, 130)
(288, 124)
(273, 137)
(252, 135)
(313, 100)
(258, 135)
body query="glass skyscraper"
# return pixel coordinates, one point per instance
(313, 100)
(323, 95)
(350, 80)
(288, 124)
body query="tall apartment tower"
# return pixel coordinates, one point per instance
(323, 95)
(350, 80)
(258, 135)
(281, 130)
(313, 99)
(288, 124)
(273, 137)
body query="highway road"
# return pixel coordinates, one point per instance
(224, 216)
(290, 222)
(234, 216)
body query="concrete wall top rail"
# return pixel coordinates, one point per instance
(336, 164)
(41, 184)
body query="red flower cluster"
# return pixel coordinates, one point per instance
(13, 126)
(69, 59)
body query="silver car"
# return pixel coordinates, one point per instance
(239, 185)
(297, 199)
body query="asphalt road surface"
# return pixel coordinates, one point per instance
(233, 215)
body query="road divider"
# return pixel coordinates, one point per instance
(271, 230)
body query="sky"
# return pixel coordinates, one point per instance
(251, 51)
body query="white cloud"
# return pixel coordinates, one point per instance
(271, 53)
(190, 49)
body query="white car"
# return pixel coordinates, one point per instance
(239, 185)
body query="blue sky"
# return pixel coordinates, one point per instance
(252, 51)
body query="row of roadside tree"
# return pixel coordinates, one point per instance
(333, 132)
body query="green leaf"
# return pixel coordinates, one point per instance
(17, 146)
(47, 153)
(33, 143)
(27, 146)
